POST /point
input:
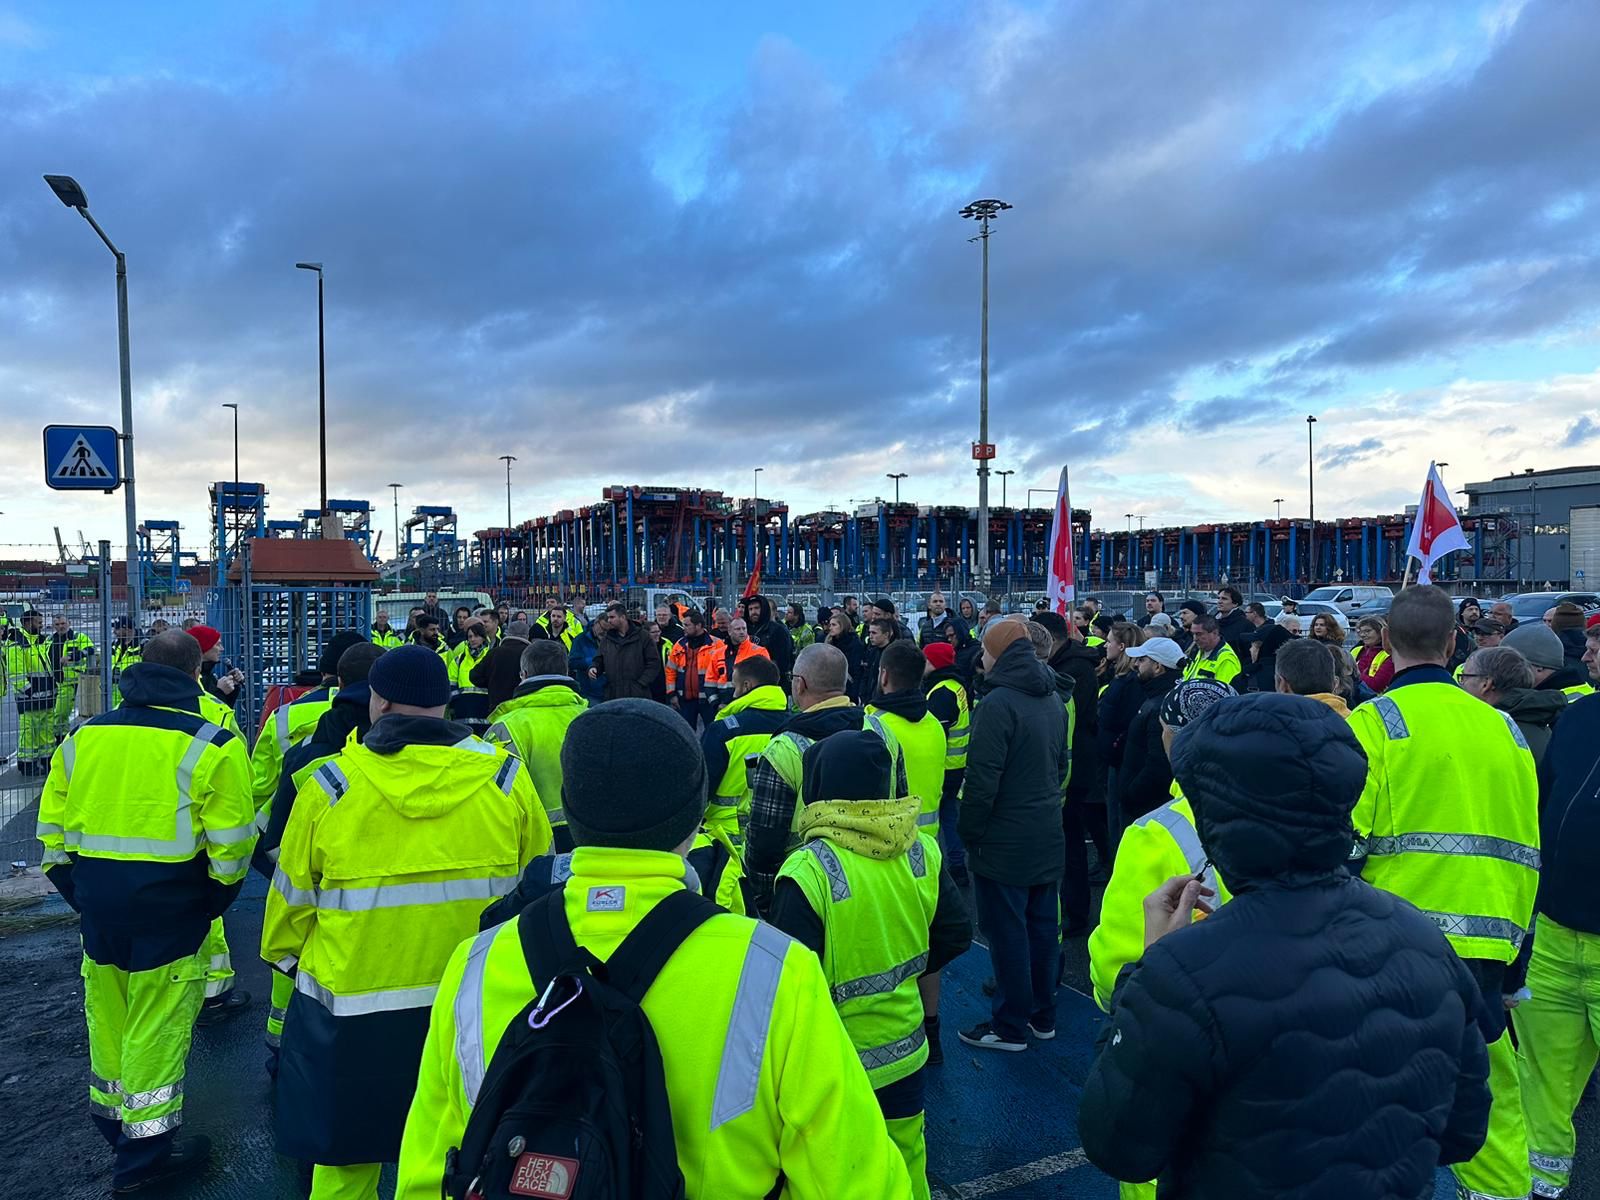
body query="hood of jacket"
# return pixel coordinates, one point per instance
(542, 691)
(912, 706)
(349, 713)
(847, 782)
(151, 685)
(1567, 676)
(1333, 701)
(424, 766)
(764, 606)
(825, 719)
(1572, 644)
(1532, 706)
(766, 698)
(1272, 780)
(1020, 670)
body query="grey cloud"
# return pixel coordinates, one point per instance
(1582, 430)
(508, 272)
(1348, 454)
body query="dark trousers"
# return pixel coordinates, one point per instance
(955, 851)
(1078, 820)
(699, 712)
(1020, 925)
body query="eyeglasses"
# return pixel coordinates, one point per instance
(1472, 675)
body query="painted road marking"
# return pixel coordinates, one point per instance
(1000, 1181)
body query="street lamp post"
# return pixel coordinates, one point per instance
(322, 386)
(1311, 498)
(1004, 475)
(897, 476)
(983, 211)
(235, 408)
(755, 516)
(1139, 517)
(1130, 521)
(508, 459)
(69, 193)
(395, 491)
(1279, 503)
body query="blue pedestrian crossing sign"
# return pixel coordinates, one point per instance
(81, 458)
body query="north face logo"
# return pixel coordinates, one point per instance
(544, 1177)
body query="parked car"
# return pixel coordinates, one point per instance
(1347, 596)
(1308, 608)
(1117, 603)
(1531, 606)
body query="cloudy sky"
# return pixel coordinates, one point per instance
(652, 243)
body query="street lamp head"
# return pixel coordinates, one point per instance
(230, 404)
(980, 210)
(67, 191)
(317, 267)
(1311, 420)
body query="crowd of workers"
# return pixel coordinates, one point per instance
(469, 817)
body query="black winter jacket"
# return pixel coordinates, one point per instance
(1236, 630)
(855, 655)
(630, 664)
(1569, 818)
(774, 637)
(1315, 1037)
(1116, 708)
(1017, 758)
(1144, 782)
(1082, 663)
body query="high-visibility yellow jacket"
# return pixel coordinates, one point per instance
(958, 734)
(28, 671)
(569, 632)
(533, 725)
(1157, 846)
(924, 745)
(289, 724)
(875, 916)
(743, 728)
(146, 822)
(1449, 818)
(1222, 664)
(763, 1081)
(389, 639)
(396, 843)
(218, 713)
(123, 656)
(393, 848)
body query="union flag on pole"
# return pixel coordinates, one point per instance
(1437, 530)
(1061, 587)
(752, 585)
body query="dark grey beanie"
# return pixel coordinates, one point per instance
(633, 777)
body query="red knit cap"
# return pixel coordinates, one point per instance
(940, 655)
(206, 636)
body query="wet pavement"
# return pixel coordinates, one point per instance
(1001, 1125)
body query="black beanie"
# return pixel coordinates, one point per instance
(632, 777)
(328, 664)
(847, 766)
(411, 675)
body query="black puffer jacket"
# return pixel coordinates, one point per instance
(1315, 1037)
(1082, 663)
(1144, 782)
(1016, 761)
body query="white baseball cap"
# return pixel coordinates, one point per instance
(1164, 650)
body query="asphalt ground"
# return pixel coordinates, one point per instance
(999, 1125)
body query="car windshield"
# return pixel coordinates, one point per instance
(1532, 606)
(1326, 594)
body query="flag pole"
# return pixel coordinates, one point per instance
(1405, 580)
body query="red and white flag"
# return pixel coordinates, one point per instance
(1437, 530)
(1061, 588)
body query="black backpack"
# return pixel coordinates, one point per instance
(574, 1101)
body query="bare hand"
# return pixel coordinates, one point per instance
(226, 684)
(593, 674)
(1172, 906)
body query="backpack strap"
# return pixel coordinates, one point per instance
(634, 965)
(550, 950)
(547, 943)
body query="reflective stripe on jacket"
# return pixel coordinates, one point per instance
(875, 917)
(763, 1082)
(1449, 818)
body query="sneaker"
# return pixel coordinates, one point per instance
(1044, 1035)
(188, 1154)
(985, 1038)
(224, 1007)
